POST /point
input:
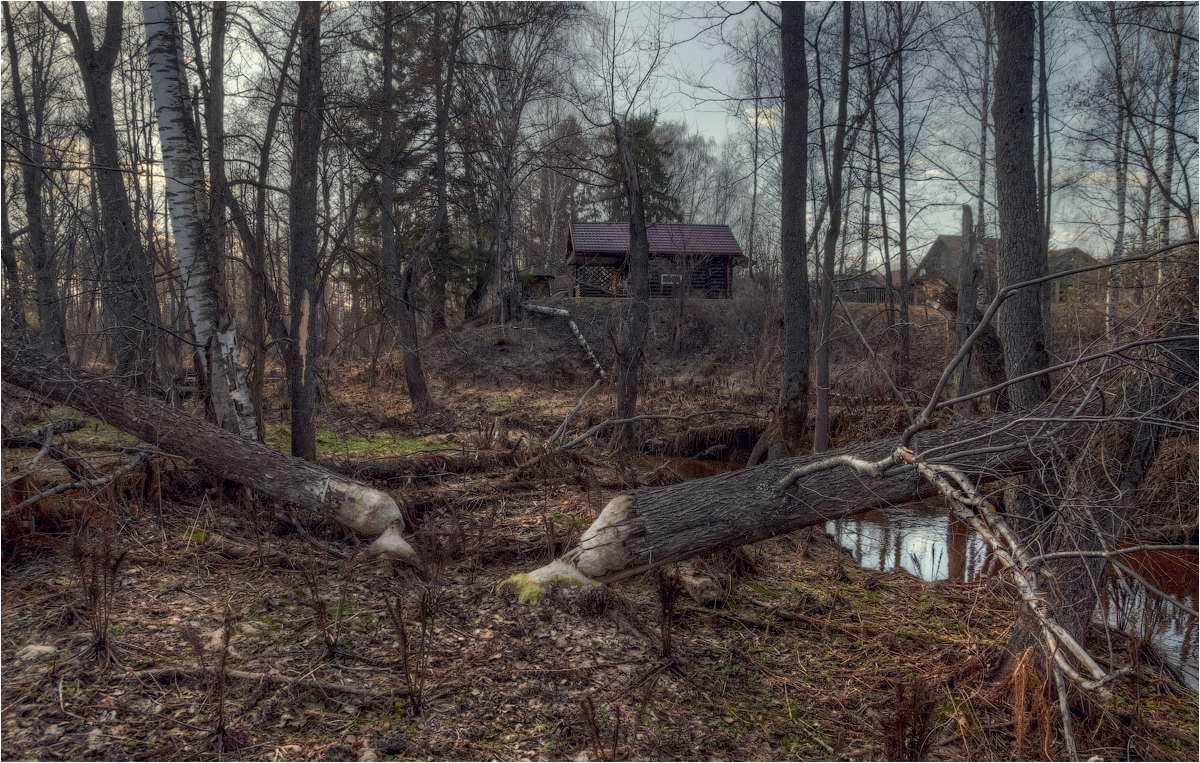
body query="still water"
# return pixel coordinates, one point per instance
(925, 540)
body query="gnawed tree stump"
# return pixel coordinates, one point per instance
(222, 454)
(652, 526)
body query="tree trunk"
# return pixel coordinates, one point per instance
(14, 298)
(216, 337)
(821, 435)
(414, 374)
(784, 437)
(629, 358)
(904, 361)
(964, 324)
(1172, 115)
(51, 327)
(1019, 321)
(300, 353)
(653, 526)
(220, 453)
(128, 292)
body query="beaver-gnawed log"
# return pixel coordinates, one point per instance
(222, 454)
(651, 526)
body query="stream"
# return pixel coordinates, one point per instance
(925, 540)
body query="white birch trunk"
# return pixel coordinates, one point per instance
(217, 344)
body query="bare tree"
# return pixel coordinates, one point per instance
(300, 351)
(129, 295)
(785, 435)
(51, 326)
(832, 233)
(1019, 322)
(218, 350)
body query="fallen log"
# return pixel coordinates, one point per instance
(220, 453)
(648, 527)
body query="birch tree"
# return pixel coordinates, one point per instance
(216, 336)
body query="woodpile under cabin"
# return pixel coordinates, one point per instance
(685, 260)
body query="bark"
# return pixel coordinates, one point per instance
(832, 233)
(14, 297)
(653, 526)
(904, 361)
(129, 297)
(216, 335)
(964, 324)
(220, 453)
(1172, 115)
(785, 435)
(629, 358)
(414, 374)
(300, 352)
(1019, 322)
(51, 327)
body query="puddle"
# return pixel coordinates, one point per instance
(924, 540)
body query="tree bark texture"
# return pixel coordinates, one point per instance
(629, 361)
(1019, 321)
(653, 526)
(968, 290)
(300, 352)
(220, 453)
(216, 336)
(832, 233)
(792, 416)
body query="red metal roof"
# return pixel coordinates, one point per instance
(613, 238)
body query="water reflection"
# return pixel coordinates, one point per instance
(1129, 607)
(923, 539)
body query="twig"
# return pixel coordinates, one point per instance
(173, 674)
(303, 532)
(1060, 685)
(46, 434)
(1016, 560)
(574, 330)
(562, 428)
(616, 422)
(132, 464)
(923, 418)
(874, 469)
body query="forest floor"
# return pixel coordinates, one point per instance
(169, 617)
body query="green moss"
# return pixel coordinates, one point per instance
(335, 445)
(530, 590)
(762, 590)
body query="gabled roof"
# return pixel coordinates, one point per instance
(944, 255)
(607, 240)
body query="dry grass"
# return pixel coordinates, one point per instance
(232, 637)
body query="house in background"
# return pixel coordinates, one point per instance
(942, 263)
(1079, 287)
(685, 260)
